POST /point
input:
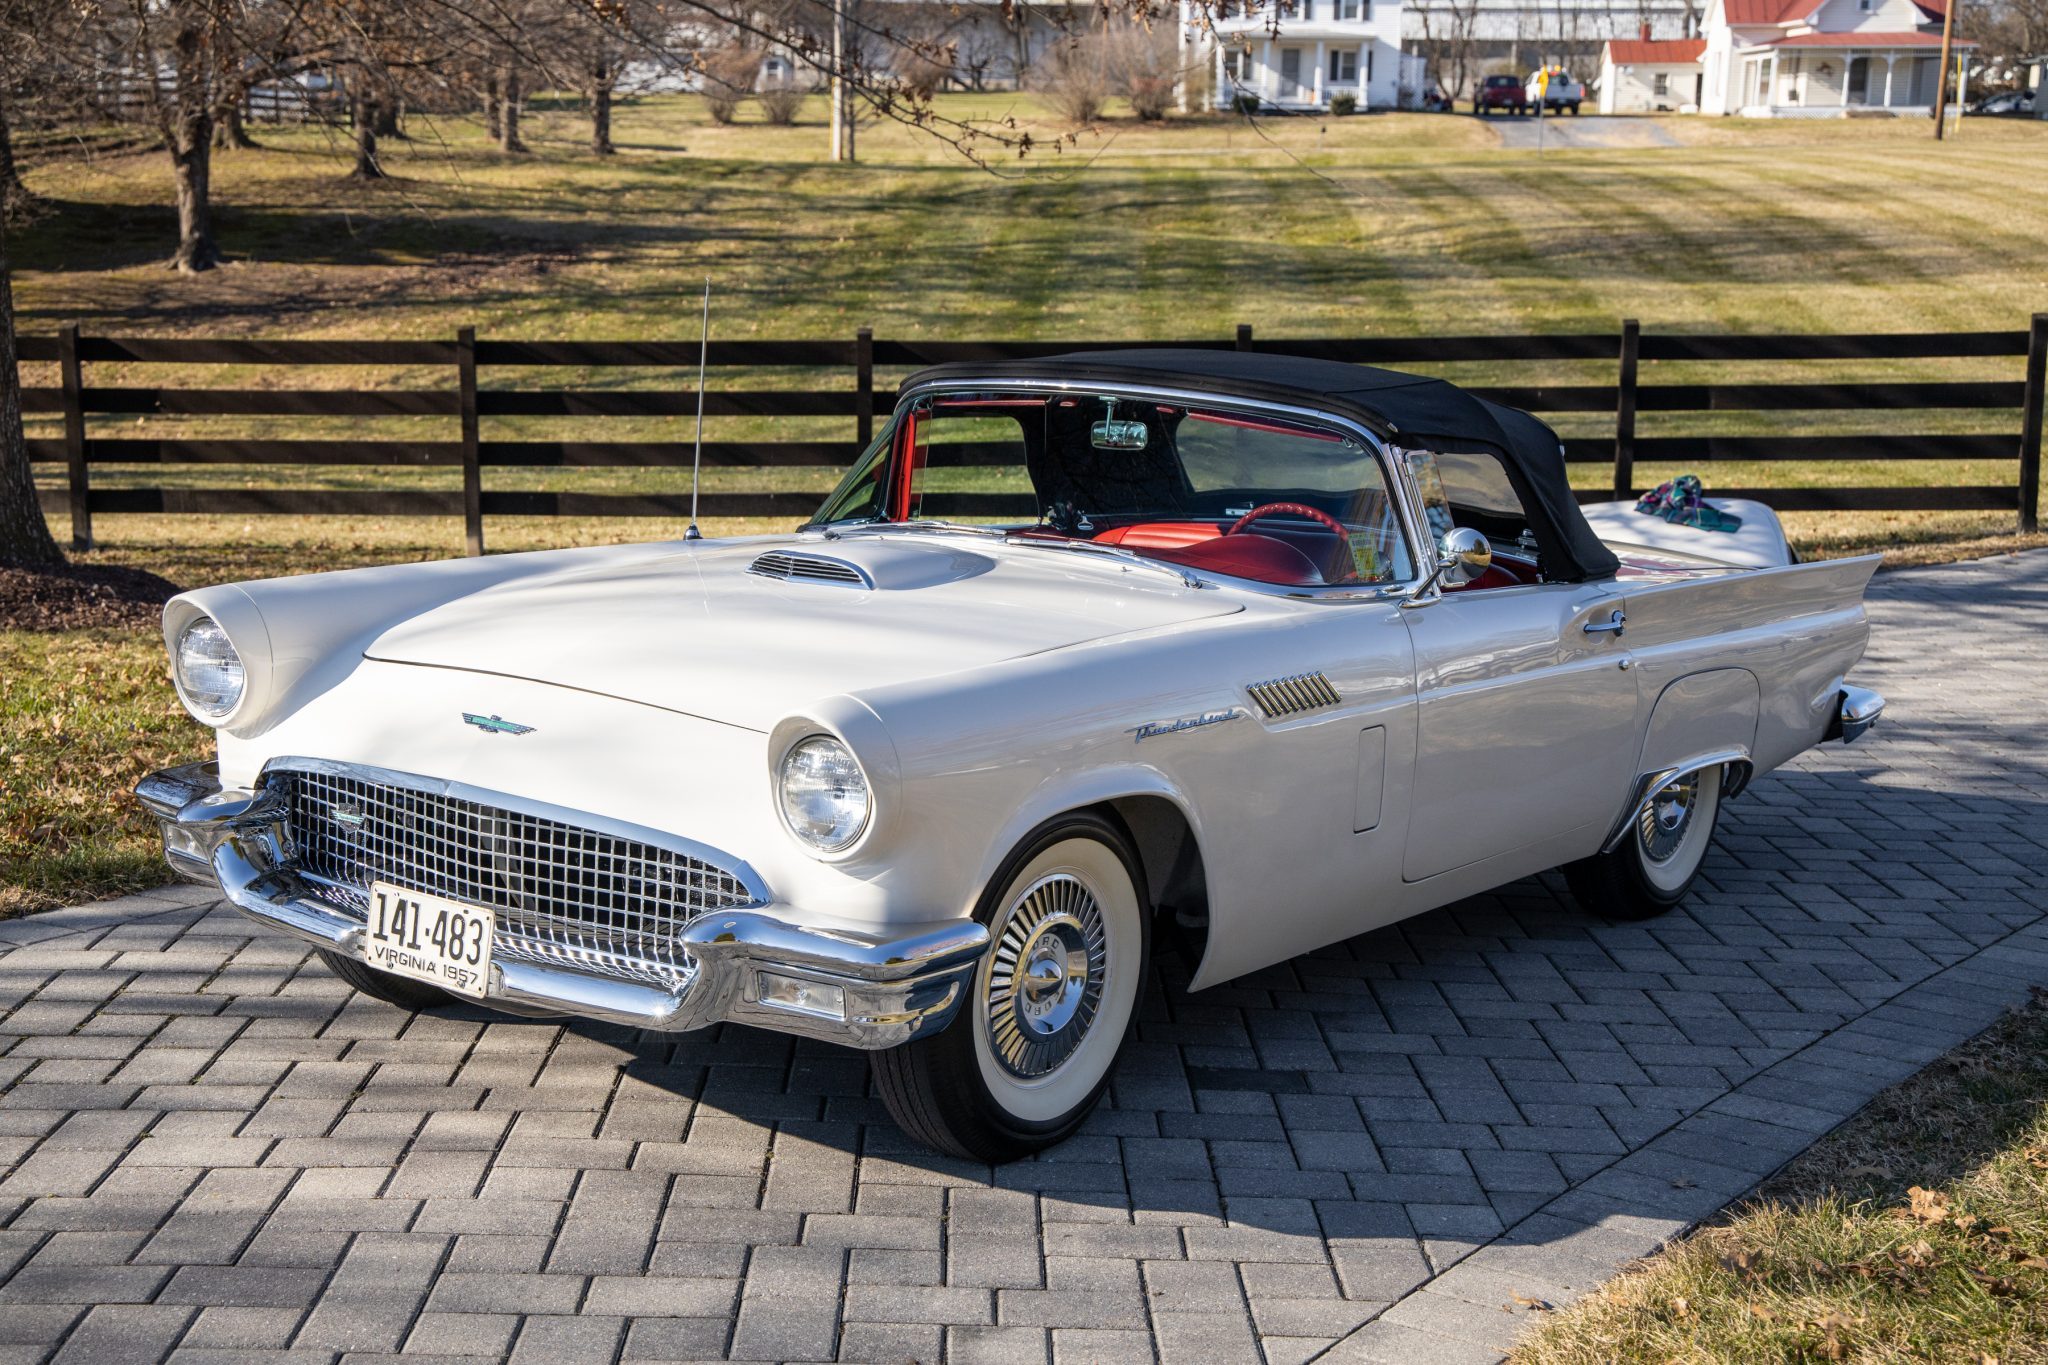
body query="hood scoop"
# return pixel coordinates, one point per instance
(885, 565)
(810, 568)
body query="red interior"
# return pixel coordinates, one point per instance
(1260, 558)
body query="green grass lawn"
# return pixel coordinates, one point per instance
(1386, 224)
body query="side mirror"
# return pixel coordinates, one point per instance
(1465, 555)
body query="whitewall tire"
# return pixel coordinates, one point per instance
(1048, 1010)
(1660, 854)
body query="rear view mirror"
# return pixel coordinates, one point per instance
(1114, 433)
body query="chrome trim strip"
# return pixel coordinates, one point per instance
(1650, 783)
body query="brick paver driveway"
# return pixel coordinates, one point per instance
(1366, 1153)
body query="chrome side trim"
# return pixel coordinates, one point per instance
(1856, 710)
(1292, 695)
(895, 986)
(1737, 777)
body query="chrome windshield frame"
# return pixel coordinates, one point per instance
(1421, 550)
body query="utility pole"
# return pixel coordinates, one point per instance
(1948, 28)
(842, 88)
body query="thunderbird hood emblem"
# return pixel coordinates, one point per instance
(496, 725)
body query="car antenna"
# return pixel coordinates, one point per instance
(697, 455)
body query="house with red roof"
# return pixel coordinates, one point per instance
(1786, 59)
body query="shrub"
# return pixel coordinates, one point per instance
(1145, 66)
(780, 102)
(726, 75)
(1343, 102)
(1244, 103)
(1075, 76)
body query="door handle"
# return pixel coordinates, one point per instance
(1611, 626)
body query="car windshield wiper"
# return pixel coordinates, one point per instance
(1116, 552)
(929, 527)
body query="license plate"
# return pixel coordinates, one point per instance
(429, 938)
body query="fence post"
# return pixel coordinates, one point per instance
(2030, 425)
(864, 386)
(1244, 336)
(472, 469)
(1625, 413)
(74, 437)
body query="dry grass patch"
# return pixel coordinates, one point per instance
(1916, 1232)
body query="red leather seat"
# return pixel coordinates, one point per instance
(1259, 558)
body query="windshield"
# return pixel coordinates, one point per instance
(1301, 503)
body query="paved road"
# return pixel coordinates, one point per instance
(1364, 1154)
(1581, 130)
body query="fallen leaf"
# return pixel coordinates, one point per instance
(1742, 1262)
(1681, 1307)
(1533, 1305)
(2033, 1263)
(1760, 1311)
(1918, 1254)
(1871, 1172)
(1681, 1183)
(1928, 1206)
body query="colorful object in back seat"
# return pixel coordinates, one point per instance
(1681, 503)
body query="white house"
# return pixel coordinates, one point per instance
(1302, 60)
(1787, 59)
(1651, 75)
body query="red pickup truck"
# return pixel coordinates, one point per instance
(1500, 92)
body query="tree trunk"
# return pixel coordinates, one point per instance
(228, 131)
(508, 113)
(365, 113)
(191, 139)
(15, 199)
(493, 124)
(601, 109)
(387, 109)
(24, 535)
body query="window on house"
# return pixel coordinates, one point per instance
(1866, 5)
(1343, 67)
(1308, 9)
(1660, 84)
(1347, 9)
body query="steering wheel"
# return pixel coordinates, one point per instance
(1299, 509)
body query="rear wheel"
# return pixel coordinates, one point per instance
(413, 996)
(1048, 1009)
(1658, 859)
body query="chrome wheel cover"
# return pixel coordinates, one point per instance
(1662, 823)
(1046, 976)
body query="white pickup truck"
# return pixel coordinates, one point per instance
(1552, 90)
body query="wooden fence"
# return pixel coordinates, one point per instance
(470, 404)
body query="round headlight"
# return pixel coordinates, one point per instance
(824, 794)
(209, 671)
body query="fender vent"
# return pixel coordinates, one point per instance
(809, 568)
(1292, 696)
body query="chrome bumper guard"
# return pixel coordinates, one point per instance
(1856, 710)
(746, 966)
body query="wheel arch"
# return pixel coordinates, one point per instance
(1160, 822)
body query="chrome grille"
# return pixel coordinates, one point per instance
(563, 895)
(1293, 695)
(814, 568)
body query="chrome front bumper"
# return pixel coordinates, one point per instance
(865, 991)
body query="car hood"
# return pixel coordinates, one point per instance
(708, 631)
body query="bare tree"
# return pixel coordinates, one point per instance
(24, 534)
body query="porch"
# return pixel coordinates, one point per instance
(1839, 75)
(1301, 70)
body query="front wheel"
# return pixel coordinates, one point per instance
(1659, 858)
(1048, 1009)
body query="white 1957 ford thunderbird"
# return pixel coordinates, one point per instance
(1243, 656)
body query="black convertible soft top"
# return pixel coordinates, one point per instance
(1405, 408)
